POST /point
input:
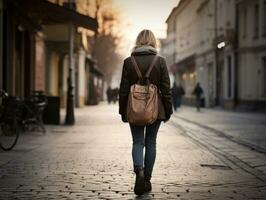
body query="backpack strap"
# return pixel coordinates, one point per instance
(136, 67)
(151, 66)
(149, 69)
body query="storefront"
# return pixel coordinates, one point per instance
(186, 76)
(30, 46)
(94, 82)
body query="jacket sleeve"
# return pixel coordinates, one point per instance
(123, 93)
(165, 89)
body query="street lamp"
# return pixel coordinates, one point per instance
(221, 45)
(70, 118)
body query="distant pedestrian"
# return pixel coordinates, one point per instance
(182, 93)
(135, 67)
(109, 94)
(198, 91)
(177, 93)
(115, 92)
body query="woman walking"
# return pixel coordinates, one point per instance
(144, 54)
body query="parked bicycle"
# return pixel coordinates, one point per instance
(33, 108)
(18, 115)
(9, 129)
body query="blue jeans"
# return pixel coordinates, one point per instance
(149, 142)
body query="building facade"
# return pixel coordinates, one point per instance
(20, 42)
(57, 60)
(168, 49)
(252, 53)
(35, 46)
(34, 49)
(210, 49)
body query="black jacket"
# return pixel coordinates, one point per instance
(158, 76)
(198, 91)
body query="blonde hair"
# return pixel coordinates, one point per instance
(146, 37)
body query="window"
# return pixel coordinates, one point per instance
(245, 22)
(229, 64)
(264, 75)
(264, 18)
(256, 21)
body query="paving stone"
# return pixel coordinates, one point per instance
(92, 160)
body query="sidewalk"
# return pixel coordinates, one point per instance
(243, 127)
(92, 160)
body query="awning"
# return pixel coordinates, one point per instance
(189, 60)
(91, 64)
(186, 64)
(44, 12)
(95, 70)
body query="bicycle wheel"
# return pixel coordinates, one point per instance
(9, 133)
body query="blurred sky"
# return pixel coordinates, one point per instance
(145, 14)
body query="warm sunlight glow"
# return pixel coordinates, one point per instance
(148, 14)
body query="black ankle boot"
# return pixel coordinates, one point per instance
(140, 181)
(148, 186)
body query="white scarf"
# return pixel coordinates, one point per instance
(145, 48)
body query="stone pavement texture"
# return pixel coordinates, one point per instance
(92, 160)
(246, 128)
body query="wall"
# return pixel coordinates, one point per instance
(186, 31)
(204, 49)
(39, 63)
(81, 79)
(251, 76)
(168, 49)
(52, 72)
(252, 50)
(194, 36)
(168, 44)
(65, 76)
(205, 72)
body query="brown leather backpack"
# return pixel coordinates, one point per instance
(142, 107)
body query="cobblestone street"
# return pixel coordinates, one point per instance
(92, 160)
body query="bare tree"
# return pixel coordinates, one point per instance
(105, 43)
